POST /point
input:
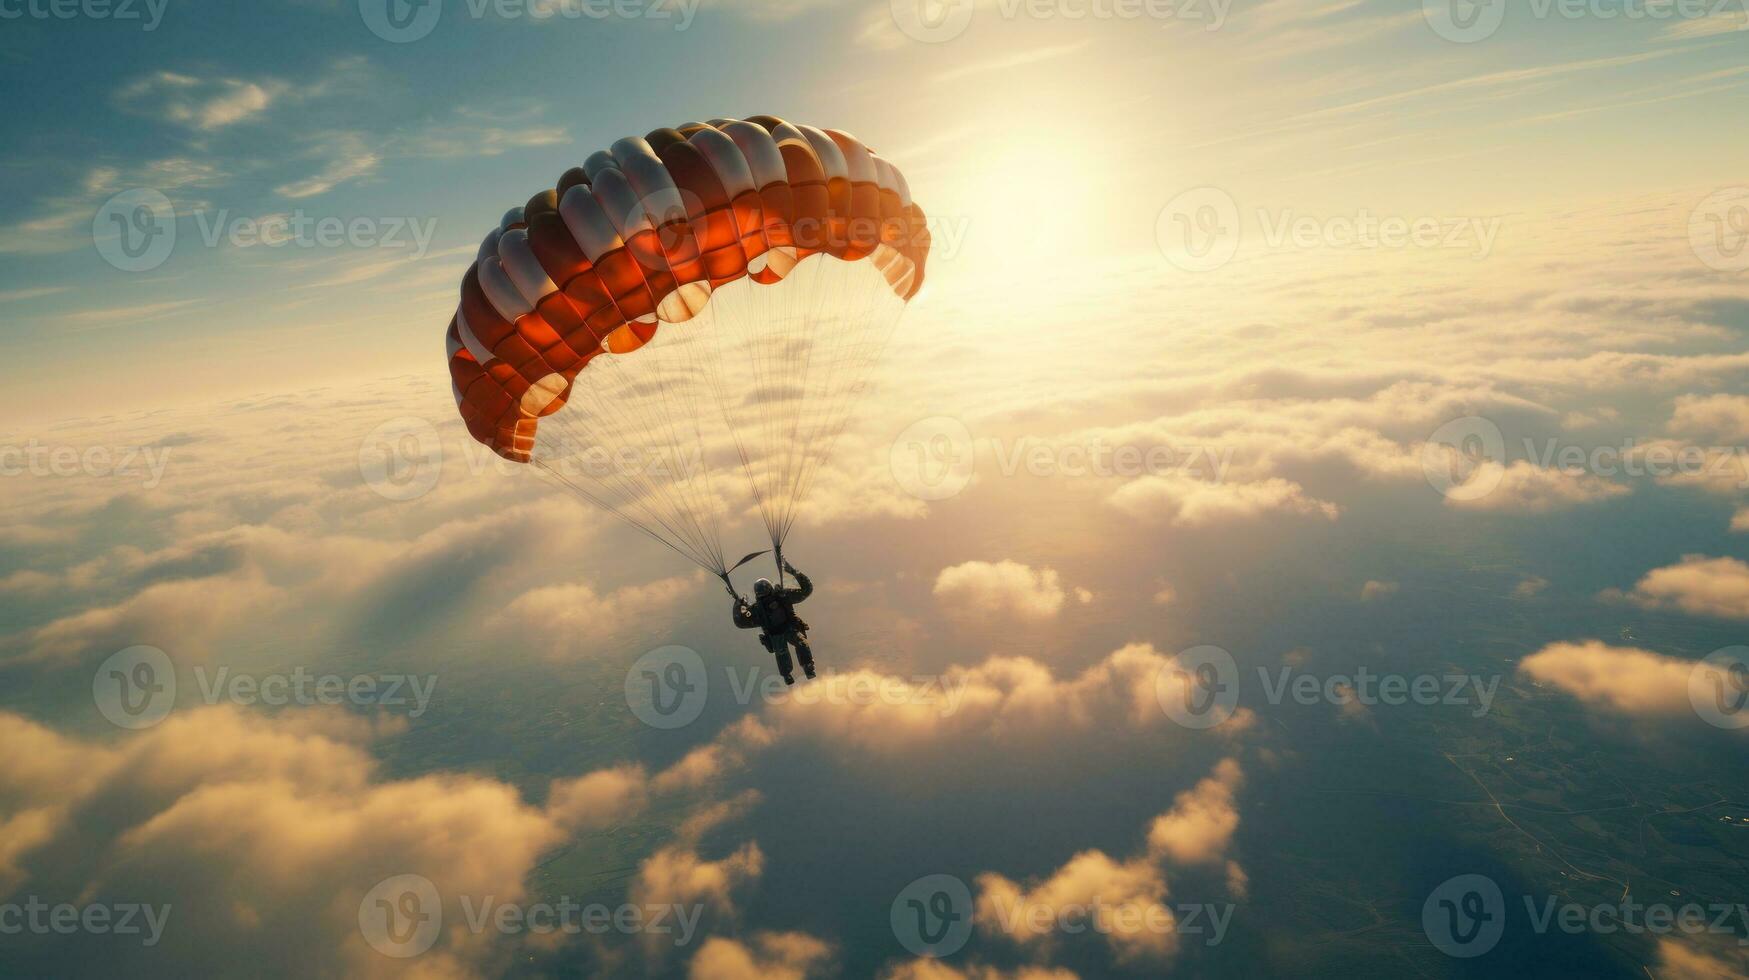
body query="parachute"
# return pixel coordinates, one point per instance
(711, 294)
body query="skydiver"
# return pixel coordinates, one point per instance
(772, 610)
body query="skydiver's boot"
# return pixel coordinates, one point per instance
(805, 654)
(785, 666)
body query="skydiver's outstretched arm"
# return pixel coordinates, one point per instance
(804, 588)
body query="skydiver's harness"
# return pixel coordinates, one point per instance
(762, 613)
(773, 636)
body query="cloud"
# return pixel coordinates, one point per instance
(41, 774)
(278, 826)
(208, 586)
(476, 132)
(1313, 417)
(679, 876)
(709, 763)
(1375, 589)
(343, 157)
(1522, 487)
(774, 10)
(572, 617)
(115, 316)
(1712, 25)
(1507, 80)
(875, 29)
(1697, 585)
(203, 104)
(1715, 469)
(1183, 501)
(1001, 699)
(1529, 586)
(768, 956)
(1338, 422)
(1700, 958)
(30, 293)
(601, 799)
(982, 590)
(1275, 31)
(1200, 825)
(1124, 901)
(1129, 897)
(1721, 419)
(1017, 59)
(62, 221)
(606, 798)
(184, 618)
(931, 969)
(1626, 680)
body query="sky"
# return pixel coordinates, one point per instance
(1308, 341)
(1050, 140)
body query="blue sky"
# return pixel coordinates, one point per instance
(298, 108)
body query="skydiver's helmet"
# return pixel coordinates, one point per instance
(762, 588)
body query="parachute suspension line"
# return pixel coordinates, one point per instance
(788, 369)
(624, 418)
(809, 334)
(807, 343)
(806, 346)
(690, 338)
(628, 494)
(697, 509)
(802, 333)
(666, 422)
(817, 334)
(634, 522)
(692, 507)
(873, 314)
(841, 331)
(766, 336)
(785, 369)
(653, 433)
(701, 509)
(721, 325)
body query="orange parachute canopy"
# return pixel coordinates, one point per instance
(641, 235)
(755, 264)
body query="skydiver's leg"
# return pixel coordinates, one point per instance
(786, 667)
(805, 654)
